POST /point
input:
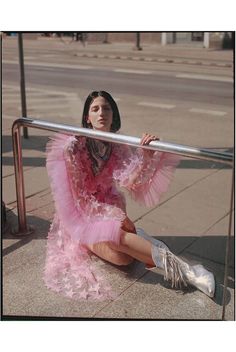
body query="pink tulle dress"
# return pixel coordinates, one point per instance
(89, 208)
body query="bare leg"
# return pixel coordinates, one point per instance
(131, 247)
(111, 254)
(176, 269)
(136, 247)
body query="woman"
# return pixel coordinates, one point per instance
(91, 214)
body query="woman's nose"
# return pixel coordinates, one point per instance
(101, 111)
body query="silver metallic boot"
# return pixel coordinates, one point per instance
(178, 270)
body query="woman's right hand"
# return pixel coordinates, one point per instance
(128, 226)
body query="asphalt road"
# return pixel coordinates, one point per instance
(214, 90)
(182, 104)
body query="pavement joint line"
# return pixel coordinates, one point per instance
(14, 203)
(26, 197)
(105, 306)
(48, 192)
(13, 173)
(208, 259)
(204, 233)
(40, 207)
(215, 223)
(118, 296)
(10, 207)
(26, 168)
(36, 193)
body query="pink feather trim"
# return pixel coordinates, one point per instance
(150, 192)
(80, 228)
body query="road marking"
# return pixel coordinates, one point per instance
(38, 90)
(42, 64)
(156, 105)
(34, 99)
(205, 77)
(123, 70)
(209, 112)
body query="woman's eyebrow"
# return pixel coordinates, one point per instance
(95, 106)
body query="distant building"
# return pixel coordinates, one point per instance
(205, 39)
(217, 40)
(202, 39)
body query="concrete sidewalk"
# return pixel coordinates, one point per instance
(192, 219)
(141, 294)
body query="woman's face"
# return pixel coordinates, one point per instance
(100, 114)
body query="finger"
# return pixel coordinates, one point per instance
(143, 139)
(147, 138)
(150, 138)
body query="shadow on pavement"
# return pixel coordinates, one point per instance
(152, 278)
(40, 226)
(32, 143)
(137, 270)
(27, 161)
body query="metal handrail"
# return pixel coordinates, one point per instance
(106, 136)
(193, 152)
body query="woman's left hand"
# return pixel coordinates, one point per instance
(148, 138)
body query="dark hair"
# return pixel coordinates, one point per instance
(115, 126)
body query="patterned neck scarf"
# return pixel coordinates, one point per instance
(99, 152)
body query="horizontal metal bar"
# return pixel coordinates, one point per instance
(188, 151)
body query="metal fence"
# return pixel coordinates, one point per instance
(187, 151)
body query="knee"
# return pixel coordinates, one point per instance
(109, 252)
(117, 257)
(121, 259)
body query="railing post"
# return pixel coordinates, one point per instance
(228, 247)
(22, 229)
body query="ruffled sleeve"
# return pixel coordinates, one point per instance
(80, 214)
(146, 175)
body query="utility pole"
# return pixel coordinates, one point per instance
(138, 47)
(22, 82)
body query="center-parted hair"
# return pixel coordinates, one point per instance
(115, 126)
